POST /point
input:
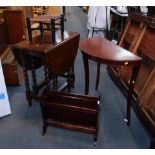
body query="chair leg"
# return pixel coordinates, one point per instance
(97, 75)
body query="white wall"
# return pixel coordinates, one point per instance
(4, 102)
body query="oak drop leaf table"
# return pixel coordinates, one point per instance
(32, 55)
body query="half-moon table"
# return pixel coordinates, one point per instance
(103, 51)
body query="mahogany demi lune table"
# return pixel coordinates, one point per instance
(103, 51)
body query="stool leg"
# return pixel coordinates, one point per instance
(62, 24)
(97, 75)
(53, 30)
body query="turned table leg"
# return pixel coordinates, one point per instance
(35, 90)
(47, 75)
(28, 92)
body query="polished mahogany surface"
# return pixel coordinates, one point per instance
(107, 52)
(44, 44)
(103, 51)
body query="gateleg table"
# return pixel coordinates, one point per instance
(32, 55)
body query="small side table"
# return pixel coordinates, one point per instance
(103, 51)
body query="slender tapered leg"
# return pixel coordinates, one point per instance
(86, 69)
(53, 30)
(97, 75)
(130, 93)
